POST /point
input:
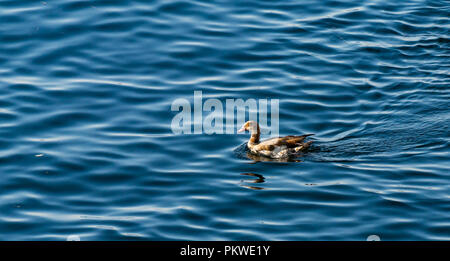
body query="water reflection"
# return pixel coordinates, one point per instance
(259, 179)
(258, 158)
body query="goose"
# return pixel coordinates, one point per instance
(276, 148)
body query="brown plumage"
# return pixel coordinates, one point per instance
(279, 147)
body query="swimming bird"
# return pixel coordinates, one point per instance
(278, 147)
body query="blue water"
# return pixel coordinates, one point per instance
(86, 147)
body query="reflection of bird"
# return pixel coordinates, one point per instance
(258, 158)
(260, 179)
(280, 147)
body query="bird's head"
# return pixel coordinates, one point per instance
(251, 126)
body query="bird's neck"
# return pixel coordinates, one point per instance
(254, 139)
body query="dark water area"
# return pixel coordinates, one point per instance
(86, 146)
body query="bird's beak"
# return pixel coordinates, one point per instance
(241, 130)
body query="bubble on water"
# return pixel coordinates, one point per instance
(373, 238)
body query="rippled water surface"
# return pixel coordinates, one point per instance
(86, 146)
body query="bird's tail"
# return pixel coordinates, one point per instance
(304, 146)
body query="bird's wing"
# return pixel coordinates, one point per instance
(294, 140)
(288, 141)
